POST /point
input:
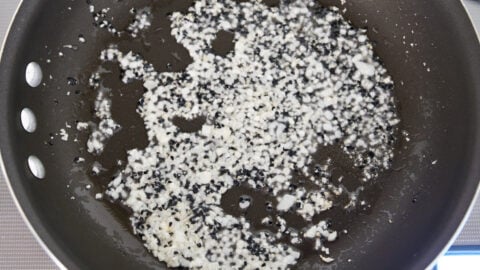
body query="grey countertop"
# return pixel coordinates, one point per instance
(19, 249)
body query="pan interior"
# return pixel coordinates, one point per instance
(428, 48)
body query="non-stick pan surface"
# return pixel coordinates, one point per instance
(429, 47)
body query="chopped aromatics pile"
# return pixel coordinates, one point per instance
(299, 77)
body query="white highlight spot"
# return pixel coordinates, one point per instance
(28, 119)
(36, 167)
(33, 74)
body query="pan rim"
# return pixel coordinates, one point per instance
(3, 170)
(25, 218)
(41, 237)
(476, 197)
(458, 230)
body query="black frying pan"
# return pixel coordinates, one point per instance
(417, 207)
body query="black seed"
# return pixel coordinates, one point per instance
(72, 81)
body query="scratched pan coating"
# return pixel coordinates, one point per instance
(416, 207)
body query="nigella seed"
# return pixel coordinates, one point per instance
(72, 81)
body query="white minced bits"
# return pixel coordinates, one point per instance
(142, 21)
(245, 202)
(70, 46)
(78, 160)
(286, 202)
(314, 203)
(102, 21)
(106, 128)
(321, 229)
(81, 126)
(63, 135)
(82, 38)
(97, 168)
(326, 259)
(298, 78)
